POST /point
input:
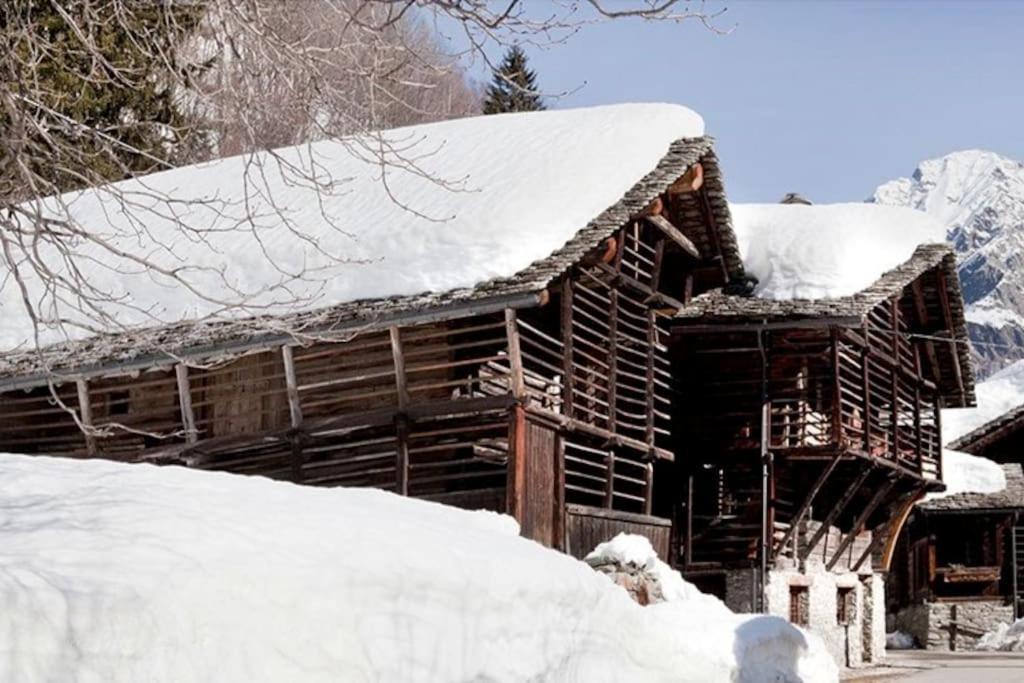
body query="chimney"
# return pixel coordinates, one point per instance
(795, 198)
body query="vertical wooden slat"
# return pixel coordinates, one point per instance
(292, 387)
(837, 394)
(688, 542)
(613, 359)
(648, 488)
(652, 340)
(517, 383)
(609, 484)
(85, 416)
(560, 522)
(568, 373)
(895, 381)
(659, 257)
(516, 477)
(188, 419)
(866, 379)
(401, 422)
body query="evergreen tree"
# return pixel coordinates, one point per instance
(514, 86)
(105, 109)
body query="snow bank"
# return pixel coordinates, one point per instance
(966, 473)
(460, 202)
(112, 572)
(998, 394)
(1005, 638)
(899, 640)
(826, 250)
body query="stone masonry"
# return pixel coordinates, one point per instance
(952, 625)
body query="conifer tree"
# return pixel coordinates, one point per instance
(514, 86)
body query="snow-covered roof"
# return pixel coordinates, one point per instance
(826, 251)
(528, 195)
(974, 483)
(837, 262)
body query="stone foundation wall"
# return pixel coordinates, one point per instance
(952, 625)
(859, 641)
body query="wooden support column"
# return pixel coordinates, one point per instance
(85, 416)
(613, 360)
(862, 519)
(865, 357)
(401, 418)
(516, 381)
(568, 372)
(652, 340)
(834, 513)
(890, 527)
(688, 543)
(559, 511)
(893, 312)
(515, 492)
(805, 506)
(837, 393)
(295, 413)
(648, 488)
(188, 419)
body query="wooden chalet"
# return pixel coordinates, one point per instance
(961, 568)
(545, 395)
(800, 417)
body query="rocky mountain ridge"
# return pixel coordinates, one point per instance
(979, 196)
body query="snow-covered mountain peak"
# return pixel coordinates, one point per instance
(979, 196)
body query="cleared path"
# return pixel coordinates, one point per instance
(918, 666)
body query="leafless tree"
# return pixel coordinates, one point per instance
(246, 76)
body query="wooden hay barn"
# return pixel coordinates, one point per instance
(544, 394)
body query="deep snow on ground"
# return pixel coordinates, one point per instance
(113, 572)
(826, 251)
(427, 208)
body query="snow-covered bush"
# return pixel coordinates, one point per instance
(112, 572)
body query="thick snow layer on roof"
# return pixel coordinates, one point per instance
(113, 572)
(998, 394)
(460, 202)
(966, 473)
(826, 251)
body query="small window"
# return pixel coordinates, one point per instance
(845, 605)
(799, 605)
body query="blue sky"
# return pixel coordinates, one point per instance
(825, 98)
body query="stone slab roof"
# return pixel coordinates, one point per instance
(1012, 497)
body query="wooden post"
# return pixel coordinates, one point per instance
(568, 373)
(895, 381)
(837, 394)
(613, 359)
(559, 512)
(85, 416)
(516, 381)
(188, 420)
(294, 407)
(918, 438)
(609, 484)
(648, 488)
(688, 547)
(1014, 568)
(516, 478)
(865, 359)
(652, 340)
(401, 421)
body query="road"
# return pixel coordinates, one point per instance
(918, 666)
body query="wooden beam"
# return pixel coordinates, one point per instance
(858, 525)
(674, 234)
(402, 455)
(688, 547)
(704, 205)
(805, 506)
(878, 538)
(85, 416)
(947, 314)
(516, 380)
(568, 364)
(613, 360)
(834, 513)
(294, 406)
(516, 478)
(609, 482)
(837, 392)
(398, 357)
(659, 260)
(188, 419)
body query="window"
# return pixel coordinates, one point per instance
(846, 605)
(799, 605)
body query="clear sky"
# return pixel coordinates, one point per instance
(825, 98)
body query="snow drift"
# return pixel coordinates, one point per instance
(453, 204)
(825, 251)
(1005, 638)
(112, 572)
(966, 473)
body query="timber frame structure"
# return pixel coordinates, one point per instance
(544, 395)
(807, 429)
